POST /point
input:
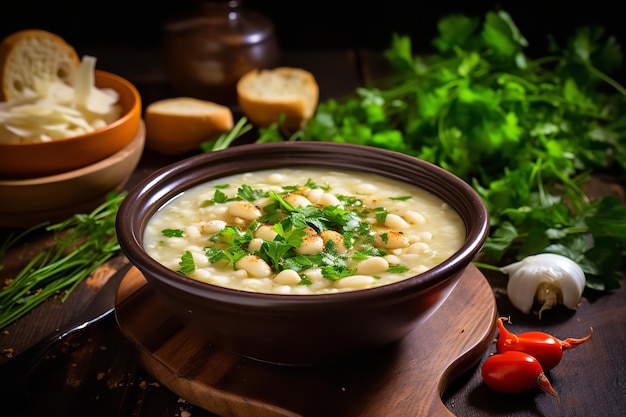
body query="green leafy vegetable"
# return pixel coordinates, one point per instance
(82, 244)
(526, 132)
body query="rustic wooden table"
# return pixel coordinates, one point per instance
(591, 380)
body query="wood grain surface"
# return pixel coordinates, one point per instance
(407, 378)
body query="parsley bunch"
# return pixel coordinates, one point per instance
(526, 132)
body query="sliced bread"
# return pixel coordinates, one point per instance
(265, 94)
(177, 126)
(34, 54)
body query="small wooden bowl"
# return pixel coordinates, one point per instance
(28, 202)
(31, 160)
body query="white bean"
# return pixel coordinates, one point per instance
(391, 240)
(418, 248)
(393, 259)
(263, 202)
(199, 258)
(372, 266)
(287, 277)
(220, 211)
(192, 232)
(366, 188)
(336, 238)
(213, 226)
(252, 284)
(328, 199)
(240, 274)
(282, 289)
(176, 242)
(311, 244)
(265, 232)
(254, 266)
(419, 269)
(426, 236)
(414, 217)
(244, 210)
(276, 178)
(411, 259)
(255, 245)
(202, 274)
(396, 222)
(355, 282)
(221, 280)
(297, 200)
(314, 195)
(314, 275)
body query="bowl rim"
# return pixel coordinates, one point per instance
(136, 106)
(147, 196)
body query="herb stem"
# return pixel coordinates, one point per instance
(610, 81)
(81, 244)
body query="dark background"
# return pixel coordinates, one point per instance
(305, 24)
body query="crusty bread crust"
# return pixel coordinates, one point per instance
(176, 126)
(30, 54)
(265, 94)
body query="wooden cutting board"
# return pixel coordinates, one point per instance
(406, 379)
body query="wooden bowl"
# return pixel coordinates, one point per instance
(302, 330)
(31, 160)
(27, 202)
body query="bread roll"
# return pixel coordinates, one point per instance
(265, 94)
(176, 126)
(33, 54)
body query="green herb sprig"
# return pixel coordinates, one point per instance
(82, 243)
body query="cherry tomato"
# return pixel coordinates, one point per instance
(514, 372)
(547, 349)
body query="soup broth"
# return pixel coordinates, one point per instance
(303, 231)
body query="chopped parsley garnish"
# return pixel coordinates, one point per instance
(246, 193)
(397, 269)
(172, 232)
(292, 224)
(187, 265)
(381, 214)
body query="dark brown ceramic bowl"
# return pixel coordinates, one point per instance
(301, 329)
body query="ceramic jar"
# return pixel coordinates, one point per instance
(207, 51)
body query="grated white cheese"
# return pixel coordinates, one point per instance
(56, 110)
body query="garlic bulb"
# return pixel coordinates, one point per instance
(546, 279)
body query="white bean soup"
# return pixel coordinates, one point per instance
(303, 231)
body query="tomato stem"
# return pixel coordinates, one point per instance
(505, 334)
(544, 384)
(571, 342)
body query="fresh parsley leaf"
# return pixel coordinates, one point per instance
(172, 232)
(275, 252)
(247, 193)
(381, 214)
(397, 269)
(187, 264)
